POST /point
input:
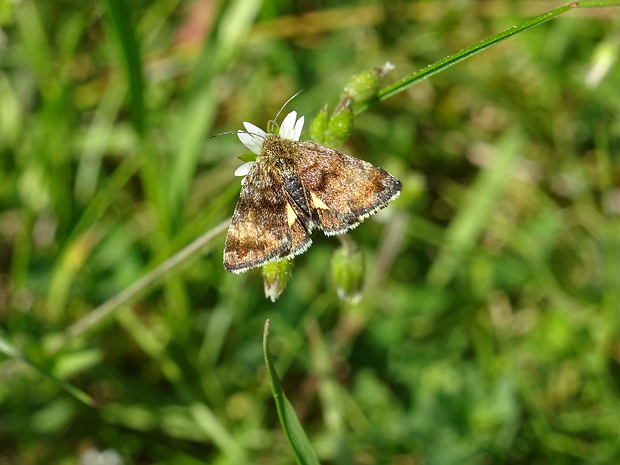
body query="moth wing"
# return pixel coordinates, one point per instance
(264, 227)
(343, 190)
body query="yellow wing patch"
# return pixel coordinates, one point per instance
(291, 216)
(318, 203)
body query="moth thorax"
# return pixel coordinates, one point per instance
(278, 152)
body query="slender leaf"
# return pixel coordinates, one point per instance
(477, 210)
(123, 28)
(453, 59)
(12, 352)
(295, 434)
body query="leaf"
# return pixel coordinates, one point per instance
(295, 434)
(453, 59)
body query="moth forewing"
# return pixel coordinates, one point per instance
(343, 190)
(263, 228)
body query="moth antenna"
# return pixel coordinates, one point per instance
(286, 103)
(223, 134)
(270, 124)
(232, 132)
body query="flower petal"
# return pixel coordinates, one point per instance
(287, 130)
(299, 125)
(251, 141)
(254, 130)
(244, 169)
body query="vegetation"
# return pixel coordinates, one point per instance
(488, 328)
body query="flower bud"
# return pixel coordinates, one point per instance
(348, 273)
(364, 86)
(318, 126)
(275, 278)
(339, 125)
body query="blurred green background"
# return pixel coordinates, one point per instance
(488, 329)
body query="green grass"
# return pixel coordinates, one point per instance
(488, 331)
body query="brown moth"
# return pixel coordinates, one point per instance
(294, 187)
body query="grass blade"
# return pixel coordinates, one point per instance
(295, 434)
(477, 210)
(12, 352)
(120, 20)
(453, 59)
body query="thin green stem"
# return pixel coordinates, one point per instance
(595, 3)
(453, 59)
(12, 352)
(124, 297)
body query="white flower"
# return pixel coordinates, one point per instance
(291, 126)
(253, 138)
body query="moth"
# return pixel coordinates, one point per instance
(293, 188)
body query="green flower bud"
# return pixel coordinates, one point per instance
(275, 278)
(318, 126)
(340, 124)
(348, 272)
(364, 86)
